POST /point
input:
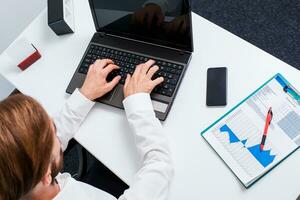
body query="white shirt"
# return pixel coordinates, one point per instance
(152, 181)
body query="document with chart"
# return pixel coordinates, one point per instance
(238, 136)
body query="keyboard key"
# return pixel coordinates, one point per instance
(180, 67)
(178, 72)
(169, 92)
(167, 69)
(83, 70)
(85, 65)
(87, 60)
(122, 81)
(171, 81)
(131, 71)
(132, 66)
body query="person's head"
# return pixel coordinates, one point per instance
(30, 153)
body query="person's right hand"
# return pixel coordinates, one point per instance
(95, 84)
(141, 80)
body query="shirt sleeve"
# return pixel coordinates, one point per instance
(153, 180)
(71, 116)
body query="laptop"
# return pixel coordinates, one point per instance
(131, 32)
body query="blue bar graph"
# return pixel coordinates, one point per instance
(263, 157)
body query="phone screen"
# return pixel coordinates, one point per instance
(216, 91)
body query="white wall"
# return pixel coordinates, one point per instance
(15, 15)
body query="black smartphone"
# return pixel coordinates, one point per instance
(216, 91)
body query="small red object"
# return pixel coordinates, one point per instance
(30, 60)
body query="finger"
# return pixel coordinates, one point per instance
(92, 66)
(113, 83)
(98, 63)
(152, 71)
(109, 69)
(137, 70)
(157, 81)
(147, 66)
(150, 62)
(102, 63)
(128, 78)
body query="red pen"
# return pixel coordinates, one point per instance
(268, 122)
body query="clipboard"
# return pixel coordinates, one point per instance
(232, 138)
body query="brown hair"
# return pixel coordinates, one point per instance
(26, 142)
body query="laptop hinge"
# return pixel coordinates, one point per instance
(181, 52)
(101, 34)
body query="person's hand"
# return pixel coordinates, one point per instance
(95, 84)
(141, 80)
(148, 14)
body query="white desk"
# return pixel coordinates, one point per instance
(6, 88)
(200, 173)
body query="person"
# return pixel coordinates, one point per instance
(32, 143)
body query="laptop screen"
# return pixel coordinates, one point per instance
(162, 22)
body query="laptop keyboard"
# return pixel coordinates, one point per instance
(127, 63)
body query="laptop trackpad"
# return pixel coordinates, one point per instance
(117, 97)
(108, 96)
(159, 106)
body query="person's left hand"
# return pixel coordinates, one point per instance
(95, 84)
